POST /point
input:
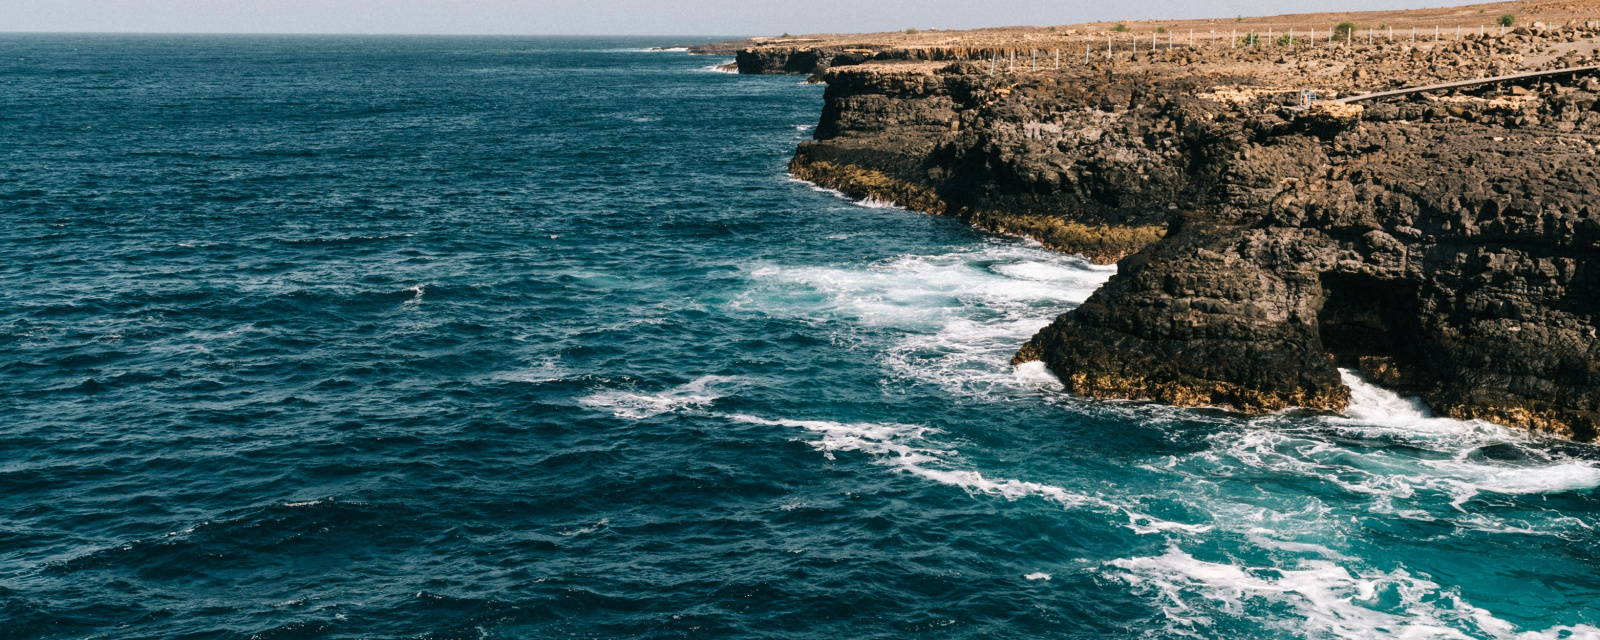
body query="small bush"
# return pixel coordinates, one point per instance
(1120, 27)
(1161, 29)
(1239, 19)
(1286, 41)
(1507, 20)
(911, 31)
(1345, 31)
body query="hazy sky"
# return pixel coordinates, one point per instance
(663, 17)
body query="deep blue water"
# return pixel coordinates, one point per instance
(530, 337)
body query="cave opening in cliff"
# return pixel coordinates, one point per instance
(1371, 324)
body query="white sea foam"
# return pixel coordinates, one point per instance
(1438, 461)
(868, 202)
(874, 203)
(908, 449)
(955, 319)
(1035, 374)
(628, 404)
(1037, 575)
(1378, 412)
(1398, 461)
(905, 448)
(1326, 598)
(1449, 468)
(962, 314)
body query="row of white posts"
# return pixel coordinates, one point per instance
(1252, 40)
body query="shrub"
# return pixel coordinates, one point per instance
(1344, 31)
(1161, 29)
(1507, 20)
(1120, 27)
(911, 31)
(1286, 41)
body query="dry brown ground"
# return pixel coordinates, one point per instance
(1468, 18)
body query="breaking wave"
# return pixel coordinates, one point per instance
(634, 405)
(959, 315)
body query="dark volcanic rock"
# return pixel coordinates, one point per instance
(1044, 159)
(1441, 243)
(1449, 259)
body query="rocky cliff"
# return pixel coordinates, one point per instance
(1442, 243)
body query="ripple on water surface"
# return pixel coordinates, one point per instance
(529, 337)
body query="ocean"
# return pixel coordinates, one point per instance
(427, 337)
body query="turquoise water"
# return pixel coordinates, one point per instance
(525, 338)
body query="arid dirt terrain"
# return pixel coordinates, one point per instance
(1075, 36)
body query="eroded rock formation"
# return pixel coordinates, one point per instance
(1441, 243)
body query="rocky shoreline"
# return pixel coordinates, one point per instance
(1442, 243)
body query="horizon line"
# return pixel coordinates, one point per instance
(374, 33)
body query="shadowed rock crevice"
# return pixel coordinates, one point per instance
(1374, 326)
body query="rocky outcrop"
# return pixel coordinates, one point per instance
(796, 60)
(1442, 244)
(803, 57)
(1046, 160)
(1444, 258)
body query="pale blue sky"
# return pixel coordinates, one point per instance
(709, 17)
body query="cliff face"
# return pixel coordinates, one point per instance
(1445, 258)
(796, 60)
(1442, 243)
(1031, 159)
